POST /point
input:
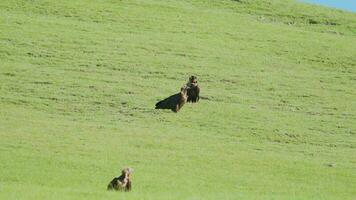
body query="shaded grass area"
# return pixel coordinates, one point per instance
(79, 81)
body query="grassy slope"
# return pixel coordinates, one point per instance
(78, 81)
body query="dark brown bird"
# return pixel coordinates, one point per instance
(123, 182)
(193, 89)
(174, 102)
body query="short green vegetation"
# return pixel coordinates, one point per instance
(79, 80)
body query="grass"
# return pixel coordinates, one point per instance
(79, 80)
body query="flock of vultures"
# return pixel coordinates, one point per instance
(188, 93)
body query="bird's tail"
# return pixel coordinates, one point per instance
(159, 105)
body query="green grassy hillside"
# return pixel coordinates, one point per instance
(79, 80)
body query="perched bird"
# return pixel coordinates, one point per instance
(174, 102)
(123, 182)
(193, 89)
